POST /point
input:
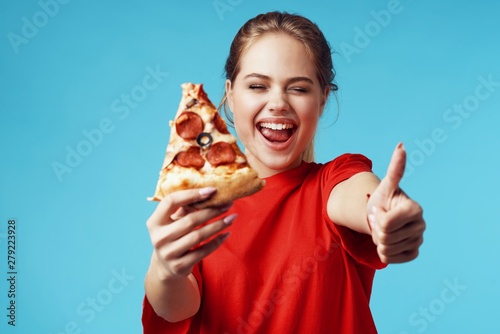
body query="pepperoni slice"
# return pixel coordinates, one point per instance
(188, 125)
(190, 158)
(220, 125)
(221, 153)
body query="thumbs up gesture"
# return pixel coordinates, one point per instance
(396, 221)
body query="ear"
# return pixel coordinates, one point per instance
(229, 94)
(324, 97)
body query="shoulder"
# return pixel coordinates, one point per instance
(350, 160)
(345, 166)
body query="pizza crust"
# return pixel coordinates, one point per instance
(234, 188)
(230, 184)
(243, 182)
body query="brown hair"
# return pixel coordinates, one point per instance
(296, 26)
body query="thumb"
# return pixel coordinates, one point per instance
(395, 172)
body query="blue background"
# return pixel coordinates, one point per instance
(80, 229)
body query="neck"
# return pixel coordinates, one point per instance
(267, 170)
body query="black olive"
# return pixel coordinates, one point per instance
(204, 139)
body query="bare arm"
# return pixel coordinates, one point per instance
(172, 299)
(347, 202)
(175, 229)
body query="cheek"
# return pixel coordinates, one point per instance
(243, 116)
(308, 113)
(308, 110)
(246, 108)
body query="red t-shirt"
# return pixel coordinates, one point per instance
(286, 268)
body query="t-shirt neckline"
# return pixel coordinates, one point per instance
(294, 174)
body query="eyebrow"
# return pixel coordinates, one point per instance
(290, 80)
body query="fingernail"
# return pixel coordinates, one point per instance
(207, 191)
(229, 219)
(401, 146)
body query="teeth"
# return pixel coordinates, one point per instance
(276, 126)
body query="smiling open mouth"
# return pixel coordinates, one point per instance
(276, 132)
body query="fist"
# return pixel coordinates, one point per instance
(396, 221)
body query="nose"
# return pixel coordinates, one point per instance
(278, 101)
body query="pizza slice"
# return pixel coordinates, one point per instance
(202, 153)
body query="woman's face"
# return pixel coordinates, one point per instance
(276, 100)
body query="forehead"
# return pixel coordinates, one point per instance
(277, 54)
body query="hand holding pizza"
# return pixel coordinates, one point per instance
(396, 220)
(177, 233)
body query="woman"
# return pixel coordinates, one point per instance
(303, 251)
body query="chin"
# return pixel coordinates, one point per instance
(278, 163)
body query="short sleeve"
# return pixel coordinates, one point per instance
(154, 324)
(359, 246)
(343, 167)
